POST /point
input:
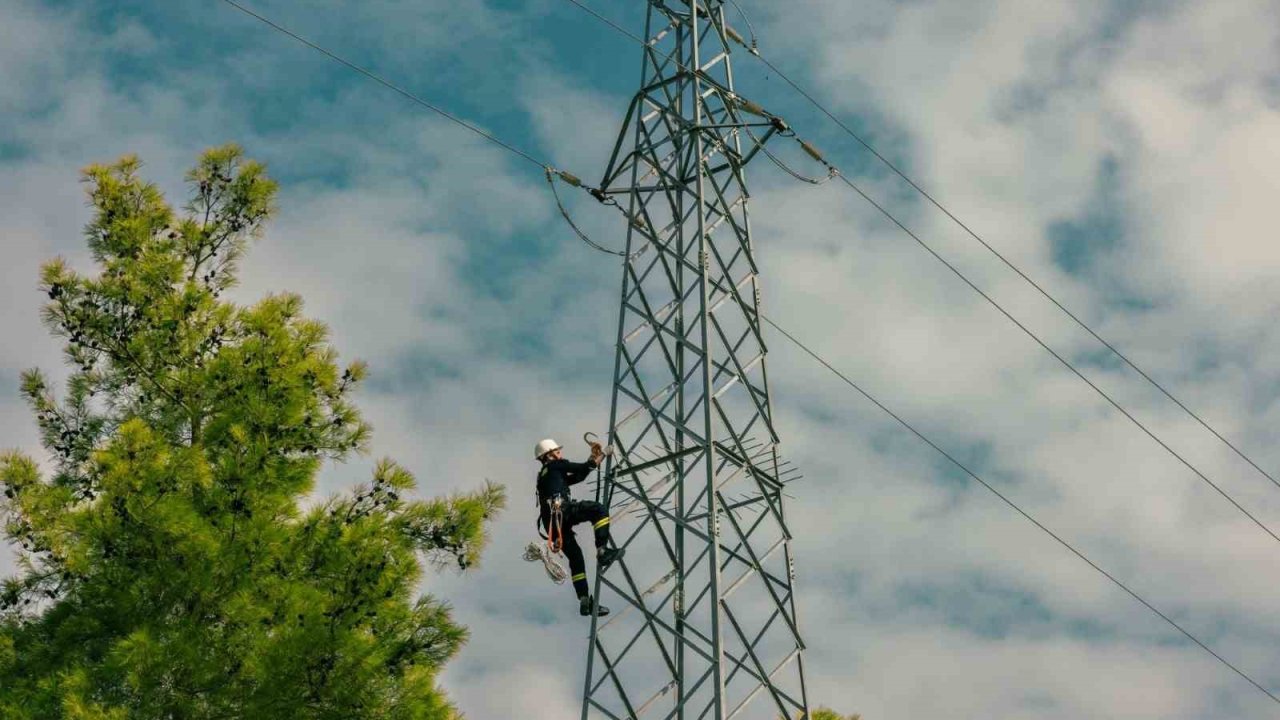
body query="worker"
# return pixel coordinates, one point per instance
(558, 513)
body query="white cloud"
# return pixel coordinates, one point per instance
(1009, 115)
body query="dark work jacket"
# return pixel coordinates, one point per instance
(556, 477)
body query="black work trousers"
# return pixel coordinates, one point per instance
(577, 512)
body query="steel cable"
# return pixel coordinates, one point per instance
(975, 288)
(388, 84)
(1066, 363)
(1047, 295)
(490, 137)
(551, 176)
(1005, 499)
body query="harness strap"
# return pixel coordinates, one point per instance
(555, 533)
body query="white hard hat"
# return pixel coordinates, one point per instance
(544, 447)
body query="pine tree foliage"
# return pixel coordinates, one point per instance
(172, 565)
(825, 713)
(829, 714)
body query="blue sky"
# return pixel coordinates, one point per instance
(1124, 154)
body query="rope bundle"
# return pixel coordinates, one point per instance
(537, 552)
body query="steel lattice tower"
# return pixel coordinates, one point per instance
(704, 622)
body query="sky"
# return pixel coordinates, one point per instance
(1125, 154)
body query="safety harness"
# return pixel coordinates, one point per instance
(554, 535)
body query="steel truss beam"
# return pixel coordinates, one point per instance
(704, 622)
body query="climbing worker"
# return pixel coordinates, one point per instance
(558, 513)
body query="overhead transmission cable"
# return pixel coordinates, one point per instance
(392, 86)
(795, 341)
(754, 50)
(1066, 363)
(551, 172)
(564, 212)
(834, 172)
(1005, 499)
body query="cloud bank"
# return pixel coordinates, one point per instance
(1124, 154)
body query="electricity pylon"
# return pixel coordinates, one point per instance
(704, 622)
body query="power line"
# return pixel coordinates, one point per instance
(587, 9)
(965, 468)
(388, 84)
(1066, 363)
(927, 196)
(992, 489)
(564, 213)
(923, 438)
(984, 295)
(547, 168)
(490, 137)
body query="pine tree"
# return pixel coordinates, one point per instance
(825, 713)
(829, 714)
(174, 563)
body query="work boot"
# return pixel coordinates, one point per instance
(607, 556)
(585, 604)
